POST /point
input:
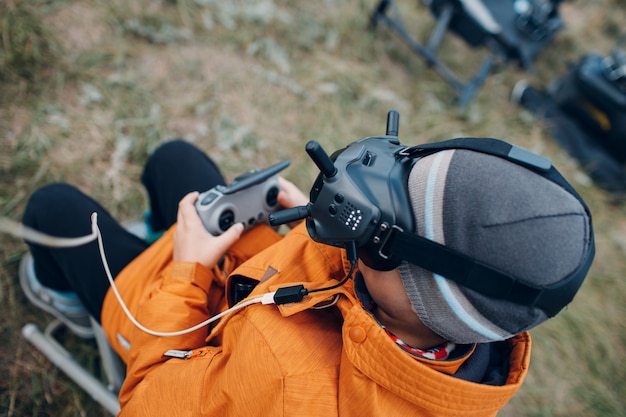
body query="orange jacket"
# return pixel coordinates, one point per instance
(323, 356)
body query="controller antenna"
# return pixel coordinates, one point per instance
(393, 123)
(321, 159)
(288, 215)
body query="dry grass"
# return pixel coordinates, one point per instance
(250, 83)
(29, 50)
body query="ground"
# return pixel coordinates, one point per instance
(250, 82)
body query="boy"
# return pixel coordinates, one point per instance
(399, 340)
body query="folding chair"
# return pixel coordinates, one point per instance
(512, 30)
(48, 343)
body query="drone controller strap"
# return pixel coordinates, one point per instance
(469, 272)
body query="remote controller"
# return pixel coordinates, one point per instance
(248, 200)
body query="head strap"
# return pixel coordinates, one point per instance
(476, 275)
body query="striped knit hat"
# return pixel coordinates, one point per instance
(499, 213)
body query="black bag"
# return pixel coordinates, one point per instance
(593, 93)
(603, 168)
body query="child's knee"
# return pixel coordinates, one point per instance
(49, 198)
(173, 148)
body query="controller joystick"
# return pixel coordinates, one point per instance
(249, 199)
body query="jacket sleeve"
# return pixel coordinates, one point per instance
(167, 296)
(178, 303)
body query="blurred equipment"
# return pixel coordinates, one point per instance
(593, 93)
(512, 30)
(585, 111)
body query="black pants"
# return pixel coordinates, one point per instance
(173, 170)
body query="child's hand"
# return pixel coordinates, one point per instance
(290, 195)
(193, 243)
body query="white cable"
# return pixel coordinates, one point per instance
(32, 235)
(35, 236)
(264, 299)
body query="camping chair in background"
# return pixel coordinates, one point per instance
(48, 343)
(512, 30)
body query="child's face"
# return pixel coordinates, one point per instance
(394, 309)
(388, 292)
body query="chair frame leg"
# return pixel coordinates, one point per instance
(466, 90)
(47, 344)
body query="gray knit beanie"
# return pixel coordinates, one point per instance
(498, 213)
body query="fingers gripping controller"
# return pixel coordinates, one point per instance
(248, 200)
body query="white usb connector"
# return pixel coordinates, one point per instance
(268, 298)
